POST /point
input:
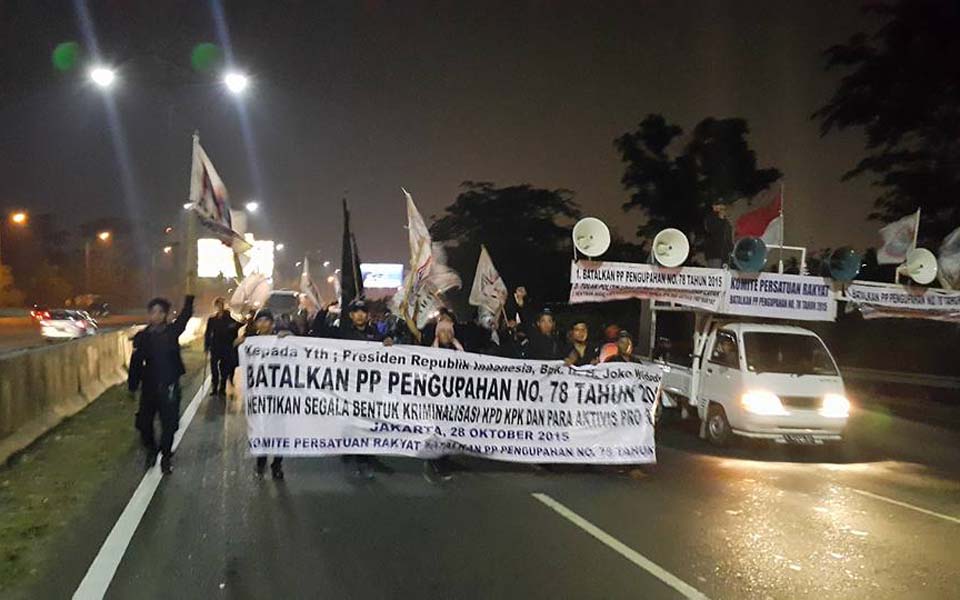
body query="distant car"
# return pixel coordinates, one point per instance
(66, 324)
(37, 312)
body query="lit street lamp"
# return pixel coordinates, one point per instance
(18, 218)
(280, 247)
(236, 82)
(252, 206)
(167, 249)
(104, 237)
(103, 76)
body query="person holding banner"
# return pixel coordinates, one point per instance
(543, 342)
(581, 353)
(155, 368)
(264, 324)
(624, 349)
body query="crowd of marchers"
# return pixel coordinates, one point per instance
(525, 332)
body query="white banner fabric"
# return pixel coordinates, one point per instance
(320, 397)
(899, 301)
(776, 296)
(596, 281)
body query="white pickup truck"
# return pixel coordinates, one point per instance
(758, 380)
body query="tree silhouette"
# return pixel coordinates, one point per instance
(902, 90)
(676, 189)
(526, 231)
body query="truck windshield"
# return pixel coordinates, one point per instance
(768, 352)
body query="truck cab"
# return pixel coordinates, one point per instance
(776, 382)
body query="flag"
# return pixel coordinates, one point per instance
(210, 201)
(429, 276)
(948, 263)
(351, 282)
(488, 293)
(251, 293)
(898, 239)
(764, 222)
(311, 294)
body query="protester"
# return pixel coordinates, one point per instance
(264, 324)
(581, 351)
(608, 347)
(543, 342)
(444, 336)
(719, 236)
(361, 329)
(156, 367)
(624, 349)
(218, 342)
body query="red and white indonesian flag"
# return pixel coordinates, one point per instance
(211, 202)
(948, 267)
(488, 293)
(765, 222)
(429, 276)
(898, 239)
(311, 294)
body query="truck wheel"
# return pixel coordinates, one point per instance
(718, 428)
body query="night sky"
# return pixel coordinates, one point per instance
(364, 97)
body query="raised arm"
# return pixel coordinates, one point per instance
(185, 313)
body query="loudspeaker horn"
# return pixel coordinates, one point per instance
(750, 254)
(671, 247)
(920, 266)
(844, 263)
(591, 236)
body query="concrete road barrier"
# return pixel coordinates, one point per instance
(39, 388)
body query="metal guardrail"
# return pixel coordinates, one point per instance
(918, 379)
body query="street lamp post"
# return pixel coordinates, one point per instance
(18, 218)
(103, 236)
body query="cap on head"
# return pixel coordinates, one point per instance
(357, 305)
(264, 313)
(625, 335)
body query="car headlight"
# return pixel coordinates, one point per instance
(762, 403)
(835, 405)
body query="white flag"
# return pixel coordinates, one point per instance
(211, 202)
(949, 261)
(898, 239)
(488, 293)
(311, 294)
(251, 293)
(773, 234)
(428, 277)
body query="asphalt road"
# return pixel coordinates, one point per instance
(24, 333)
(746, 523)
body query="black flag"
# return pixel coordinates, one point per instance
(351, 282)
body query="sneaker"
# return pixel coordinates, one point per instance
(166, 465)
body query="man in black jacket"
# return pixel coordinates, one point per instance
(218, 341)
(544, 344)
(719, 238)
(156, 367)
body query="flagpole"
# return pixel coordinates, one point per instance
(782, 241)
(190, 266)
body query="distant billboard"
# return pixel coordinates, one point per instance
(215, 260)
(381, 275)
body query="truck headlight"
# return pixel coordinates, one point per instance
(835, 405)
(762, 403)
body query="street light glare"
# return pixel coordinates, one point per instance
(326, 263)
(236, 82)
(19, 218)
(104, 236)
(280, 247)
(103, 76)
(252, 207)
(167, 249)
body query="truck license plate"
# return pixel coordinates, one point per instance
(800, 438)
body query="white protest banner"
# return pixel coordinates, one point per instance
(595, 281)
(778, 296)
(320, 397)
(899, 301)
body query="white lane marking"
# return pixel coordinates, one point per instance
(907, 505)
(104, 566)
(627, 552)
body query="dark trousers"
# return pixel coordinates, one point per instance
(262, 462)
(165, 401)
(221, 371)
